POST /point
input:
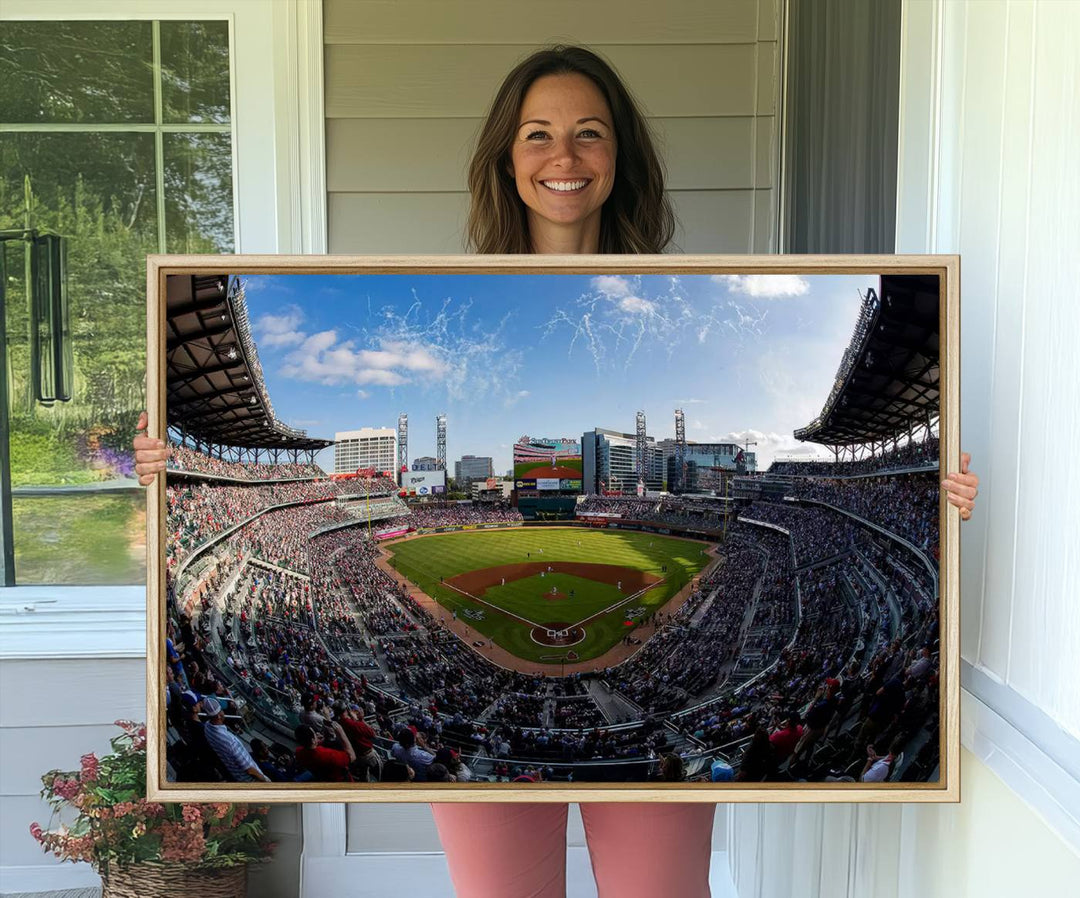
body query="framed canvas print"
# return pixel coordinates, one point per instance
(540, 528)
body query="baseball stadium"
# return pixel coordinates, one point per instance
(779, 626)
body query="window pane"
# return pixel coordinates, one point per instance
(195, 71)
(76, 72)
(81, 540)
(97, 190)
(198, 193)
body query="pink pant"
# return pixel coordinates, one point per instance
(638, 850)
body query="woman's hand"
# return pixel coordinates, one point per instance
(961, 489)
(150, 454)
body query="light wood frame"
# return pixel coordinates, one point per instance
(946, 789)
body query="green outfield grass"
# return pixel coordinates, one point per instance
(429, 560)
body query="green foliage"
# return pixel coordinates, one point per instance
(99, 191)
(116, 825)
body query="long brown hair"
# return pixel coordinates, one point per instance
(637, 216)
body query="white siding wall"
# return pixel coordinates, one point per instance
(990, 123)
(68, 670)
(408, 82)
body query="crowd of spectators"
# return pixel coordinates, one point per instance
(906, 505)
(184, 458)
(279, 606)
(816, 533)
(691, 652)
(679, 512)
(457, 514)
(922, 454)
(628, 507)
(196, 512)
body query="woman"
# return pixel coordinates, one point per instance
(565, 164)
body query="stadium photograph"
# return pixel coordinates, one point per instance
(712, 561)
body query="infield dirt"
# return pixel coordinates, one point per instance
(496, 654)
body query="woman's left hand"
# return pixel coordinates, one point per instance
(962, 488)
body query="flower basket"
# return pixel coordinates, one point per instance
(147, 849)
(162, 880)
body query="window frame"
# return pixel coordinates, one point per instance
(279, 206)
(1007, 731)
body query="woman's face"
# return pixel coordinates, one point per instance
(563, 155)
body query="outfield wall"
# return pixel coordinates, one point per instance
(455, 528)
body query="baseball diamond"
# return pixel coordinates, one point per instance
(546, 588)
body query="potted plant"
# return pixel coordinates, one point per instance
(144, 848)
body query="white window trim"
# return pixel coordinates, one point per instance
(280, 202)
(278, 121)
(1031, 753)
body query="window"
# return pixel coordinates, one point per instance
(118, 136)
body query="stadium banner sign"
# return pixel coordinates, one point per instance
(423, 483)
(272, 372)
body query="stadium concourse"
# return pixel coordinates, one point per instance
(809, 651)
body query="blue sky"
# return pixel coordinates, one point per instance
(748, 356)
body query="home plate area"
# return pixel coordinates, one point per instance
(568, 581)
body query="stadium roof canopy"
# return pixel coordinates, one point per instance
(887, 383)
(214, 390)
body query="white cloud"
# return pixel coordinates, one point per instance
(772, 445)
(680, 402)
(380, 377)
(445, 348)
(321, 358)
(516, 398)
(612, 285)
(764, 286)
(279, 330)
(635, 305)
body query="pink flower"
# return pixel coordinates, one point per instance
(192, 814)
(89, 767)
(181, 842)
(65, 788)
(123, 808)
(36, 832)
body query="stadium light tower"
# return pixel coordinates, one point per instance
(639, 455)
(680, 448)
(402, 445)
(440, 442)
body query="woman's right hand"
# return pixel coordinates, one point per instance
(150, 454)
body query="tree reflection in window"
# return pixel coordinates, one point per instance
(118, 136)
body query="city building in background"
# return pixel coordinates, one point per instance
(608, 462)
(368, 447)
(707, 465)
(425, 463)
(472, 468)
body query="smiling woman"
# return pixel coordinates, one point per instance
(563, 117)
(563, 162)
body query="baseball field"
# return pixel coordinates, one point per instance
(549, 595)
